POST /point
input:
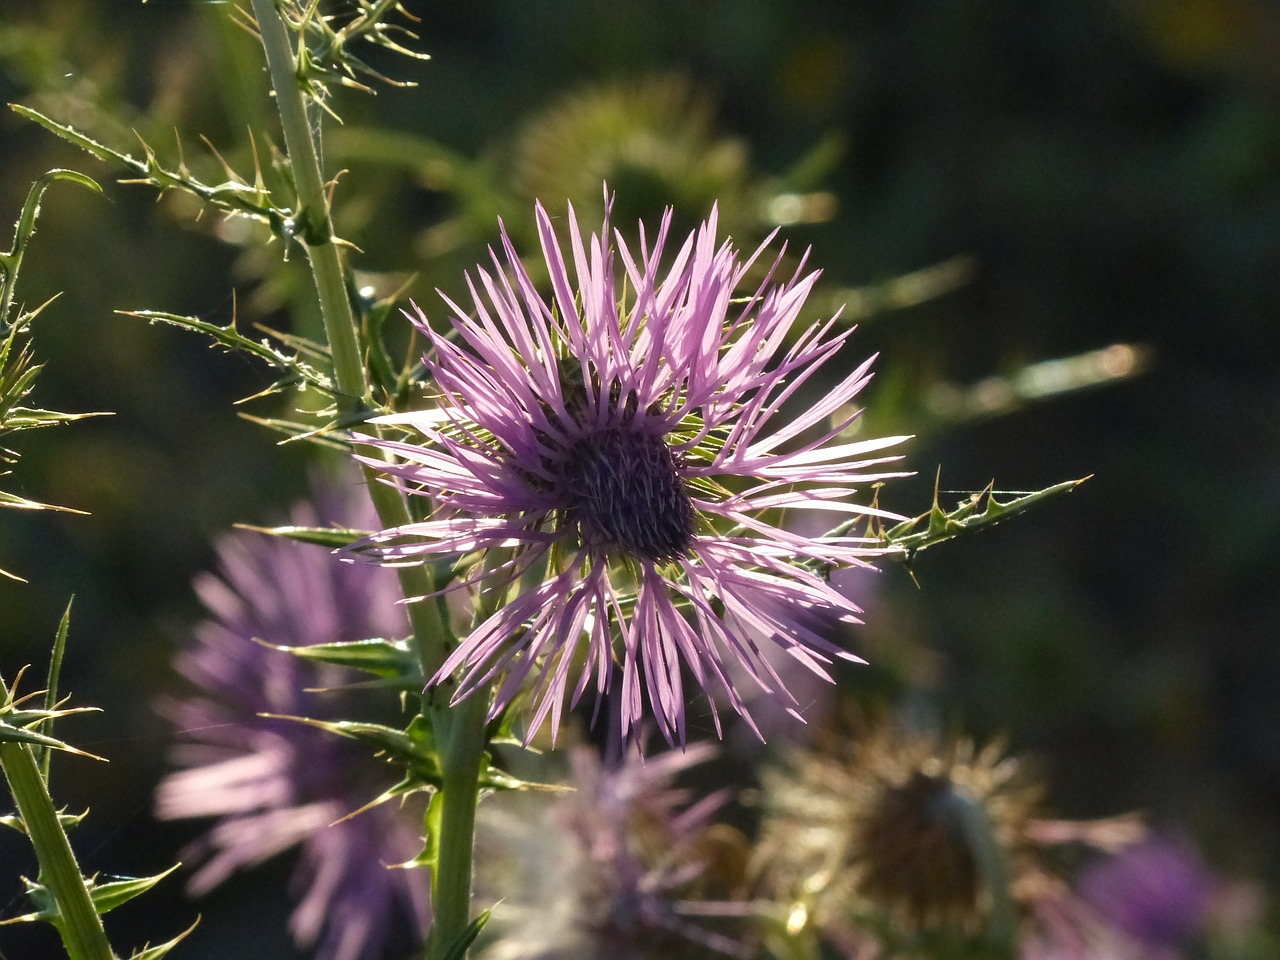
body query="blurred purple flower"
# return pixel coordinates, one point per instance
(274, 783)
(622, 440)
(1064, 927)
(621, 868)
(1159, 892)
(1148, 901)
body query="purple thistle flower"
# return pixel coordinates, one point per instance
(1151, 898)
(1159, 892)
(273, 783)
(622, 441)
(622, 867)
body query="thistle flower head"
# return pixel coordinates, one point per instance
(620, 868)
(652, 138)
(928, 836)
(272, 784)
(623, 442)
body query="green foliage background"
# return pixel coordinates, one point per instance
(1111, 170)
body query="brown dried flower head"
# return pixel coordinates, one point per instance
(901, 828)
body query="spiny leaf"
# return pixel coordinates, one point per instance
(234, 196)
(323, 433)
(67, 820)
(405, 788)
(294, 431)
(28, 718)
(303, 346)
(326, 55)
(433, 822)
(332, 537)
(51, 680)
(105, 896)
(231, 339)
(413, 748)
(29, 418)
(491, 778)
(382, 658)
(458, 949)
(16, 722)
(11, 259)
(13, 734)
(977, 512)
(108, 896)
(18, 371)
(162, 949)
(17, 376)
(22, 503)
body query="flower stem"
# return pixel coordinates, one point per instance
(78, 922)
(316, 232)
(314, 224)
(462, 731)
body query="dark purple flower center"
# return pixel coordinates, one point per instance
(626, 491)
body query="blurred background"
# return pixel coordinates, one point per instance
(989, 186)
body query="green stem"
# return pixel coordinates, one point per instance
(314, 223)
(461, 760)
(431, 635)
(78, 921)
(459, 731)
